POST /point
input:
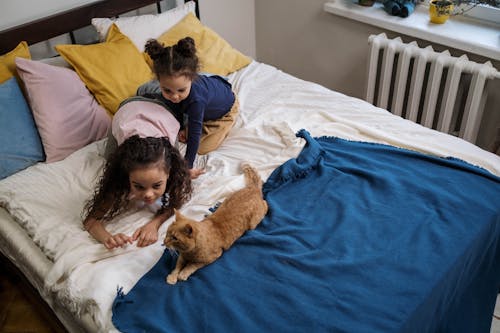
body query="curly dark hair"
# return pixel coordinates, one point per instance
(178, 59)
(111, 196)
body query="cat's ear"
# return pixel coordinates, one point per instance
(187, 230)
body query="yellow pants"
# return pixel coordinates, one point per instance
(215, 131)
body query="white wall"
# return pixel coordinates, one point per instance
(233, 20)
(298, 37)
(15, 12)
(43, 8)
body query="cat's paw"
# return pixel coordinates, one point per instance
(171, 279)
(183, 276)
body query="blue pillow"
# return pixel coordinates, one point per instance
(20, 144)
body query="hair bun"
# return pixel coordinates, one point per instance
(154, 49)
(185, 47)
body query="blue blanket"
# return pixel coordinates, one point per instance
(359, 237)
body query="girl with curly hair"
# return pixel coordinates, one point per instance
(144, 170)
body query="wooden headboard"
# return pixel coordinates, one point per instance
(67, 21)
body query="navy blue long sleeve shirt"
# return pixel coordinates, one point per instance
(210, 98)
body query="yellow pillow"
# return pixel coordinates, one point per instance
(112, 70)
(7, 64)
(215, 54)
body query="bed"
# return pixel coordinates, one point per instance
(376, 224)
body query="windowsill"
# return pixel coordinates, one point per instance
(458, 32)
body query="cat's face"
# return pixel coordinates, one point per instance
(180, 234)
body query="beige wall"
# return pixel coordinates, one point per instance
(298, 37)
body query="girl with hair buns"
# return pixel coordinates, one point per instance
(206, 102)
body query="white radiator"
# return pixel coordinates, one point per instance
(434, 89)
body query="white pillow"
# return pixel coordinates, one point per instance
(143, 27)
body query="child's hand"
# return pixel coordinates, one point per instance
(118, 240)
(182, 136)
(195, 173)
(146, 235)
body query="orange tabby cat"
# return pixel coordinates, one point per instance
(201, 243)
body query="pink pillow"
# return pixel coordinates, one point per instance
(67, 116)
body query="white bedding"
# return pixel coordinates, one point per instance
(46, 200)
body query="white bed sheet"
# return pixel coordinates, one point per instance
(45, 201)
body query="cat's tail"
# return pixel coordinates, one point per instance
(252, 177)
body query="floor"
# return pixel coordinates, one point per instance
(22, 312)
(21, 309)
